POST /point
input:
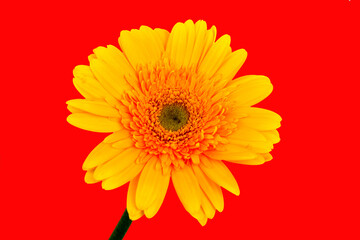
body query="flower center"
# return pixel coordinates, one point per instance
(173, 117)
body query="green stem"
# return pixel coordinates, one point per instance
(122, 227)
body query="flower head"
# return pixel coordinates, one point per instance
(175, 112)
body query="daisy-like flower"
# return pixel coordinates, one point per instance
(175, 113)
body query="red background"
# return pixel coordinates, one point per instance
(309, 50)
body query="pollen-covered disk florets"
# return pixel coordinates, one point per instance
(174, 114)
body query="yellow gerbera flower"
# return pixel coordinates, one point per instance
(175, 112)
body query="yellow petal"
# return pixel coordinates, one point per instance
(191, 35)
(154, 208)
(122, 161)
(108, 78)
(176, 46)
(267, 157)
(141, 47)
(94, 123)
(195, 158)
(215, 57)
(201, 44)
(134, 212)
(188, 43)
(208, 43)
(250, 139)
(84, 90)
(256, 147)
(272, 136)
(89, 87)
(74, 110)
(231, 65)
(247, 134)
(256, 161)
(89, 177)
(123, 143)
(112, 69)
(187, 188)
(116, 61)
(122, 177)
(99, 155)
(232, 153)
(162, 35)
(249, 90)
(206, 206)
(85, 82)
(210, 188)
(153, 42)
(205, 160)
(260, 119)
(221, 175)
(151, 184)
(99, 108)
(200, 216)
(117, 136)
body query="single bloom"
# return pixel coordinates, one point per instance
(175, 112)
